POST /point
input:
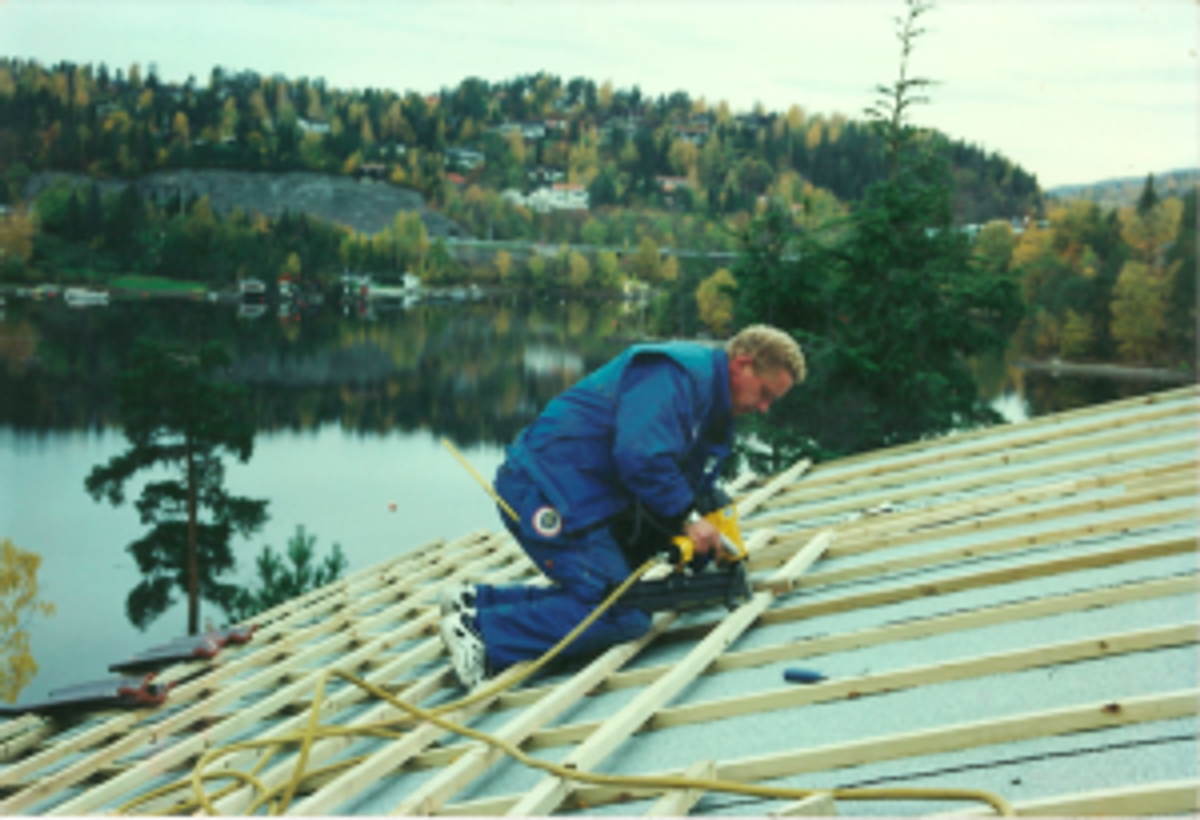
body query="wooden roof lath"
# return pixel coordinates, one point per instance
(1012, 609)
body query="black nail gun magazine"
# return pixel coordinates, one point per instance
(696, 584)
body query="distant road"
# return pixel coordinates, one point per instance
(551, 249)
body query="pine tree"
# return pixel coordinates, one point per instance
(177, 416)
(281, 580)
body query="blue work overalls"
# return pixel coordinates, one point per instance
(651, 427)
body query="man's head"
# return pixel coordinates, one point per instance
(764, 363)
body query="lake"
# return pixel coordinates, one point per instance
(351, 406)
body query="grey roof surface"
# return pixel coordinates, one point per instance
(1011, 610)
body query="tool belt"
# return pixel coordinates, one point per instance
(642, 535)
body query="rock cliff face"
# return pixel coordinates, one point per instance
(365, 206)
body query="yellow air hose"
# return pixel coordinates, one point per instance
(279, 797)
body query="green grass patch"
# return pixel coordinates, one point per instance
(157, 284)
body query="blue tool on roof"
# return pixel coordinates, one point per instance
(797, 675)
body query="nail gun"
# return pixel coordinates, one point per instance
(697, 581)
(724, 516)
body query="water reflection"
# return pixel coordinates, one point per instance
(1018, 393)
(349, 409)
(1046, 393)
(475, 372)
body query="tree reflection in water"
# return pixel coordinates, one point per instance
(474, 372)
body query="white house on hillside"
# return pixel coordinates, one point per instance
(561, 196)
(543, 174)
(558, 197)
(464, 158)
(313, 126)
(528, 130)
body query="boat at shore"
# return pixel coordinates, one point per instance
(252, 289)
(85, 297)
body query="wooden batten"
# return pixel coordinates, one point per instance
(1082, 515)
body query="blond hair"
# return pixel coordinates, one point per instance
(770, 348)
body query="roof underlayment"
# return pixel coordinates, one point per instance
(1011, 610)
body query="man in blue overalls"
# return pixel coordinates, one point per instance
(602, 480)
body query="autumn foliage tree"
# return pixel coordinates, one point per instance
(19, 602)
(16, 243)
(714, 301)
(1139, 306)
(1107, 286)
(646, 264)
(1182, 300)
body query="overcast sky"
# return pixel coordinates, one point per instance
(1074, 92)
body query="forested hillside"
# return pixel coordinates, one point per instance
(1123, 192)
(602, 179)
(672, 152)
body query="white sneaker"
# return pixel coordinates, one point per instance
(459, 599)
(465, 644)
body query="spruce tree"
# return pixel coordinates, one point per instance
(1148, 198)
(888, 304)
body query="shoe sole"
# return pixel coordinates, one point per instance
(453, 605)
(451, 640)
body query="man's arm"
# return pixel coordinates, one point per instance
(656, 426)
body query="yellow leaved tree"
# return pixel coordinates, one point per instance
(714, 301)
(1139, 299)
(646, 263)
(17, 230)
(579, 270)
(19, 601)
(1139, 313)
(1149, 232)
(503, 264)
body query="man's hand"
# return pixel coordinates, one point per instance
(705, 536)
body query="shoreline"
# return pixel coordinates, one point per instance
(1061, 368)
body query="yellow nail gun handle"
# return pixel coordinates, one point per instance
(733, 547)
